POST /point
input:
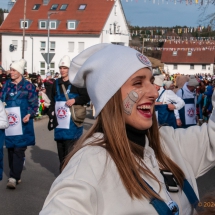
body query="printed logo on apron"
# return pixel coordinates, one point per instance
(63, 115)
(15, 122)
(190, 116)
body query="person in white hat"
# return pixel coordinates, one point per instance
(167, 105)
(124, 164)
(21, 101)
(66, 133)
(188, 94)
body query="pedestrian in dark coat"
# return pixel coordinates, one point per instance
(21, 105)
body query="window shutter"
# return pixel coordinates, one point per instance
(71, 46)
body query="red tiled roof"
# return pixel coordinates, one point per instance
(201, 57)
(91, 20)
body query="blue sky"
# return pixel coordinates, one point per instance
(145, 13)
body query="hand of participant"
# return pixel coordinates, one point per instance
(26, 118)
(70, 102)
(171, 106)
(178, 122)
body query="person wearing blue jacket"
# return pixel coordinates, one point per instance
(66, 132)
(3, 124)
(21, 105)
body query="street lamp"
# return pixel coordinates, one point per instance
(32, 53)
(49, 14)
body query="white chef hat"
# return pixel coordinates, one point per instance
(19, 66)
(103, 69)
(65, 61)
(159, 80)
(193, 82)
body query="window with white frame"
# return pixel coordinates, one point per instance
(191, 66)
(52, 46)
(15, 44)
(42, 24)
(71, 25)
(42, 45)
(175, 66)
(71, 46)
(25, 45)
(54, 7)
(203, 66)
(52, 68)
(82, 7)
(189, 53)
(52, 24)
(63, 6)
(36, 7)
(22, 24)
(80, 47)
(42, 68)
(174, 53)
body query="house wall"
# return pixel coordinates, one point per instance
(185, 69)
(120, 36)
(62, 43)
(61, 49)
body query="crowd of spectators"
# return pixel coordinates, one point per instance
(203, 92)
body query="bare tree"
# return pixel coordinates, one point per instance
(209, 19)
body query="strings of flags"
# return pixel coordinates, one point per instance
(205, 48)
(200, 40)
(180, 30)
(188, 2)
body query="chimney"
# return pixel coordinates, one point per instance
(46, 2)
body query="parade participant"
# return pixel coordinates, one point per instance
(124, 164)
(21, 105)
(167, 104)
(3, 124)
(48, 83)
(179, 82)
(188, 94)
(66, 133)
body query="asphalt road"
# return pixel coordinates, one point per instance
(41, 169)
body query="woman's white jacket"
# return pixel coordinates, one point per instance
(3, 117)
(90, 186)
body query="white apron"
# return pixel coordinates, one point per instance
(63, 115)
(15, 122)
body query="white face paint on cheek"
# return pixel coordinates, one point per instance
(129, 102)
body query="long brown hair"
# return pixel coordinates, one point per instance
(127, 155)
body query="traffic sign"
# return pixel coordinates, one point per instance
(45, 56)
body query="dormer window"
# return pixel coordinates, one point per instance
(189, 53)
(63, 6)
(42, 24)
(52, 24)
(82, 7)
(71, 25)
(174, 53)
(36, 7)
(54, 7)
(22, 24)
